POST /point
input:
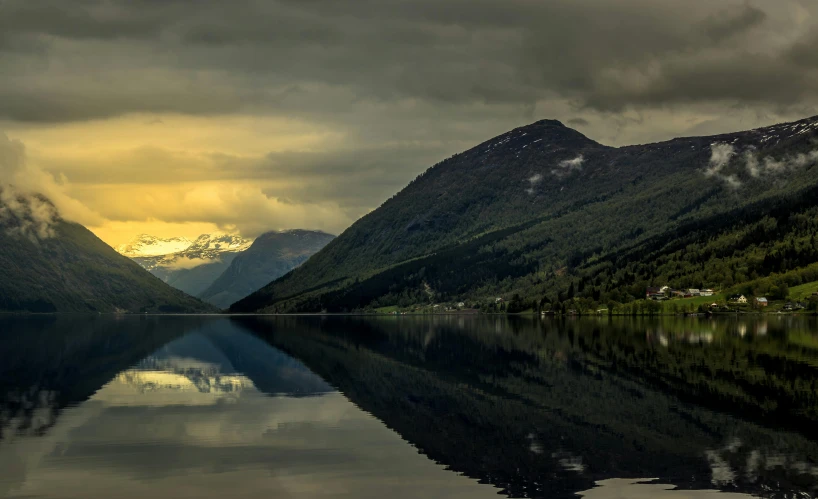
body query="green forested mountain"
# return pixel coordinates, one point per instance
(548, 214)
(271, 255)
(50, 265)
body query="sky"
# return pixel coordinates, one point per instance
(179, 117)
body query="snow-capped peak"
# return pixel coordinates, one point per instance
(146, 245)
(218, 242)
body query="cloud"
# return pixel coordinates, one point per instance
(753, 166)
(26, 215)
(184, 262)
(237, 206)
(36, 199)
(733, 22)
(533, 181)
(21, 213)
(24, 209)
(720, 155)
(611, 55)
(565, 167)
(732, 181)
(772, 166)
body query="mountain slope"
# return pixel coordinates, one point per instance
(533, 210)
(64, 267)
(271, 255)
(194, 267)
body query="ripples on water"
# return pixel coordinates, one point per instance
(407, 407)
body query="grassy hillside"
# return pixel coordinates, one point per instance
(547, 214)
(72, 270)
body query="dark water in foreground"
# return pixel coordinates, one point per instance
(217, 407)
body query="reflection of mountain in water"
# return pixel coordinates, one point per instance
(539, 409)
(222, 359)
(50, 362)
(63, 361)
(536, 411)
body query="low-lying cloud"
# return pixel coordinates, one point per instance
(21, 212)
(771, 166)
(184, 262)
(565, 167)
(31, 200)
(720, 156)
(26, 215)
(532, 182)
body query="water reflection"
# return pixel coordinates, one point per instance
(549, 408)
(407, 407)
(186, 422)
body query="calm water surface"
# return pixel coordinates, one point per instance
(448, 406)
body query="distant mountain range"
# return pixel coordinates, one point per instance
(223, 268)
(271, 255)
(50, 265)
(192, 268)
(544, 215)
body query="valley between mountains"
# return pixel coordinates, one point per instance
(222, 268)
(541, 218)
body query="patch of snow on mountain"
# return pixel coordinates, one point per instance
(146, 245)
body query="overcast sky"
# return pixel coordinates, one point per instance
(179, 117)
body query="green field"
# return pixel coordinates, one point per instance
(803, 291)
(697, 300)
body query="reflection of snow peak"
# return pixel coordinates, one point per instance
(150, 381)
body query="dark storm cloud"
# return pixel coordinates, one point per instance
(804, 53)
(727, 24)
(578, 122)
(353, 177)
(210, 57)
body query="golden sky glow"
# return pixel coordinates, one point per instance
(174, 175)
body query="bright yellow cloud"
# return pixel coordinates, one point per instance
(174, 175)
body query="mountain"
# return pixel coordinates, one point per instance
(191, 269)
(547, 214)
(48, 264)
(271, 255)
(147, 245)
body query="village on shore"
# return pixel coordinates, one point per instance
(662, 300)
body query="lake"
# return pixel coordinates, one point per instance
(400, 407)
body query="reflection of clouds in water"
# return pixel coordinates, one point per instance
(646, 489)
(735, 460)
(172, 442)
(723, 474)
